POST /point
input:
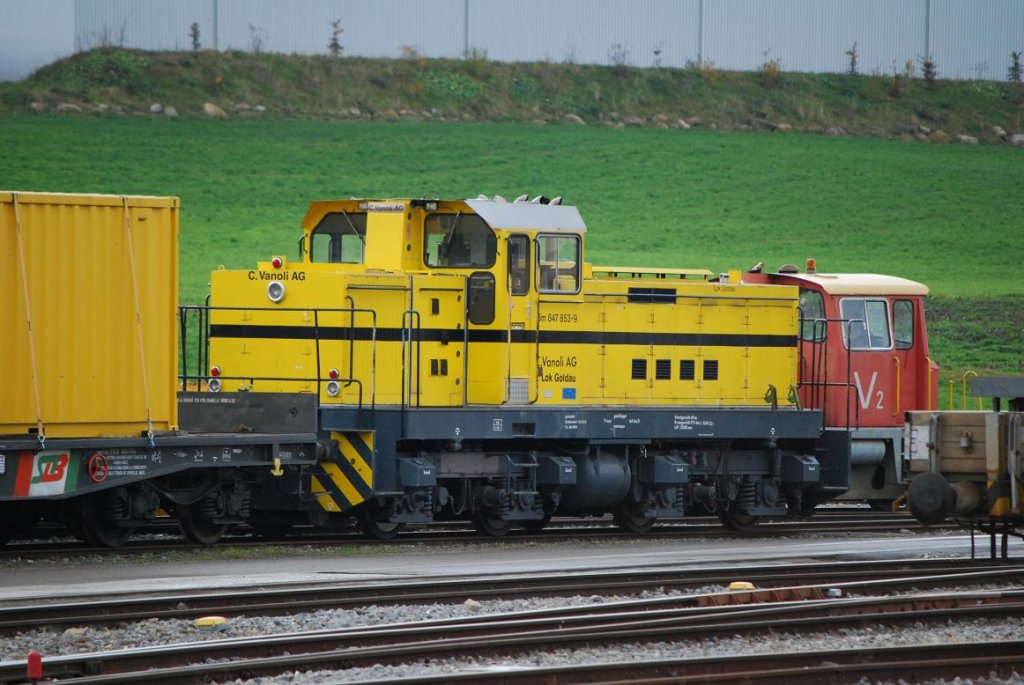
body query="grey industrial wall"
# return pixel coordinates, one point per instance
(966, 38)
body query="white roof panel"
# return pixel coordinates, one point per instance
(863, 284)
(526, 215)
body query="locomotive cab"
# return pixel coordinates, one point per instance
(864, 362)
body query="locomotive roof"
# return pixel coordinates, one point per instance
(527, 215)
(497, 213)
(862, 284)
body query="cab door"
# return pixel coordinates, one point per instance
(875, 369)
(521, 383)
(487, 352)
(434, 342)
(909, 355)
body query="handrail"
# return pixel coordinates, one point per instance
(202, 376)
(928, 392)
(963, 389)
(822, 386)
(896, 411)
(411, 362)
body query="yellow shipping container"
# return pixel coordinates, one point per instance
(89, 304)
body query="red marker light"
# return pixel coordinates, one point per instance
(276, 262)
(214, 371)
(34, 667)
(333, 374)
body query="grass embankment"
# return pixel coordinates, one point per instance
(948, 216)
(478, 90)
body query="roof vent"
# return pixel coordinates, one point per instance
(789, 269)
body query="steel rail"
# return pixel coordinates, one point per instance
(911, 663)
(294, 598)
(460, 532)
(504, 634)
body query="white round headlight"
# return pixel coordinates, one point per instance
(275, 291)
(333, 388)
(213, 385)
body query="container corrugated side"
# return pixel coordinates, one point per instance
(89, 375)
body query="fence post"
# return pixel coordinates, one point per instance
(700, 33)
(927, 29)
(465, 29)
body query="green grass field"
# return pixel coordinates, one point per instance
(947, 215)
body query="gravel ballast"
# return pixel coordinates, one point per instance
(154, 632)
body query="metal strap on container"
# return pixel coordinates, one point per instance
(40, 433)
(138, 315)
(1013, 454)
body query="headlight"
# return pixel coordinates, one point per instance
(333, 388)
(213, 385)
(275, 291)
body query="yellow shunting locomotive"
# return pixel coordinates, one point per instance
(427, 360)
(469, 363)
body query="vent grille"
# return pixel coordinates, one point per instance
(652, 295)
(639, 369)
(663, 369)
(518, 390)
(711, 369)
(687, 370)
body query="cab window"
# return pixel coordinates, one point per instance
(339, 238)
(903, 323)
(480, 306)
(865, 324)
(812, 315)
(519, 264)
(558, 263)
(458, 241)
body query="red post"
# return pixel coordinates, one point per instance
(35, 666)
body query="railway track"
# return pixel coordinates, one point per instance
(910, 664)
(803, 606)
(286, 599)
(167, 537)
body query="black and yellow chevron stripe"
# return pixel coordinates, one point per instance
(341, 485)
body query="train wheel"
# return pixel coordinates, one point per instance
(740, 522)
(632, 522)
(378, 530)
(492, 526)
(197, 528)
(95, 528)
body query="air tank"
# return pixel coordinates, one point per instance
(602, 481)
